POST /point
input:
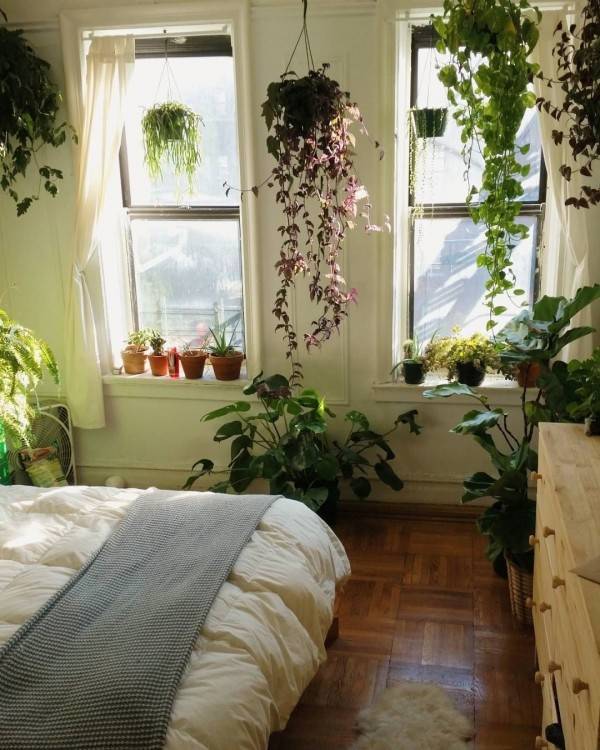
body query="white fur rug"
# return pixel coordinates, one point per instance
(413, 716)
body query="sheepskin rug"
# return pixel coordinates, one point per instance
(413, 716)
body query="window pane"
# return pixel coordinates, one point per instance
(206, 84)
(440, 170)
(188, 276)
(448, 285)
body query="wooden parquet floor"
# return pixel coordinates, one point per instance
(422, 604)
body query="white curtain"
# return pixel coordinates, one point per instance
(569, 233)
(110, 63)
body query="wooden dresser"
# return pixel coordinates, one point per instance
(566, 608)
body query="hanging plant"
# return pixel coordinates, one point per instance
(29, 105)
(577, 54)
(171, 133)
(487, 79)
(311, 123)
(429, 122)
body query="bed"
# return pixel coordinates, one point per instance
(263, 640)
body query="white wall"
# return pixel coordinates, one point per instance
(154, 434)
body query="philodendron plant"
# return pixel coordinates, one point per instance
(287, 444)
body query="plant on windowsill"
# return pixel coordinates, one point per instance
(134, 354)
(578, 74)
(28, 117)
(466, 359)
(158, 358)
(287, 444)
(193, 361)
(311, 122)
(23, 358)
(488, 81)
(225, 359)
(414, 365)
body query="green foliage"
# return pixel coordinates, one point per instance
(585, 380)
(156, 341)
(286, 443)
(488, 81)
(23, 358)
(172, 135)
(29, 106)
(450, 351)
(222, 346)
(140, 339)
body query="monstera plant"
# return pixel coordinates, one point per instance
(29, 105)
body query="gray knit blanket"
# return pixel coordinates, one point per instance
(98, 666)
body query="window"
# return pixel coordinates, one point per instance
(185, 257)
(446, 288)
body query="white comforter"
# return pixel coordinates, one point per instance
(263, 639)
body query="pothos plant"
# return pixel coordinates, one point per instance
(287, 444)
(29, 105)
(577, 58)
(312, 122)
(488, 79)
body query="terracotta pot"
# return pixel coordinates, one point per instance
(134, 361)
(227, 368)
(528, 373)
(470, 375)
(158, 364)
(193, 365)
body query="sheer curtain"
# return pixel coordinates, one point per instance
(566, 262)
(110, 63)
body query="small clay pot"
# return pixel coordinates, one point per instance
(470, 375)
(227, 368)
(193, 364)
(414, 373)
(158, 364)
(134, 361)
(528, 373)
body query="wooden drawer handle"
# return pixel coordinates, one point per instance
(536, 476)
(579, 686)
(557, 582)
(533, 540)
(540, 742)
(529, 603)
(553, 666)
(539, 678)
(547, 531)
(544, 606)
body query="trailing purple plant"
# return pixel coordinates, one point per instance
(312, 126)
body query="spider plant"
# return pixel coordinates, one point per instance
(171, 135)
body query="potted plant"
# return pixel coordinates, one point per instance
(414, 365)
(171, 135)
(586, 378)
(31, 103)
(287, 444)
(193, 360)
(467, 359)
(158, 358)
(429, 122)
(134, 354)
(226, 361)
(23, 358)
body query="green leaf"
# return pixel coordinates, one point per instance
(478, 421)
(227, 430)
(327, 467)
(361, 487)
(357, 418)
(238, 406)
(449, 389)
(388, 476)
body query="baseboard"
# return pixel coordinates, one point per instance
(430, 511)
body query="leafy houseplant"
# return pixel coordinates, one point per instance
(578, 77)
(134, 354)
(586, 376)
(487, 79)
(30, 102)
(467, 359)
(171, 135)
(428, 122)
(158, 358)
(286, 444)
(414, 365)
(193, 361)
(226, 361)
(23, 358)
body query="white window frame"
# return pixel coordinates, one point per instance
(233, 17)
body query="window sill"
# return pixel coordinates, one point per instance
(207, 388)
(499, 391)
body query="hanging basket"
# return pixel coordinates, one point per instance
(520, 588)
(429, 123)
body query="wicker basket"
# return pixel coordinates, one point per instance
(520, 588)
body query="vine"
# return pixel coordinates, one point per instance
(488, 81)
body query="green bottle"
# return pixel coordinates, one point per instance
(4, 467)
